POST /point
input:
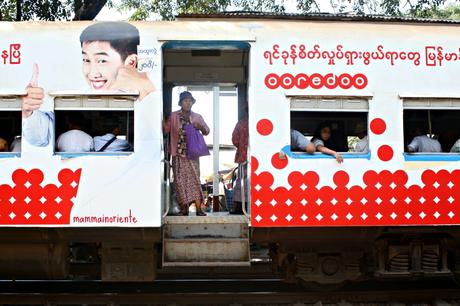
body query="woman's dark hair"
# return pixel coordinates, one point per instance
(122, 36)
(317, 135)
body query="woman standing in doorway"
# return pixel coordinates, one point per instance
(186, 171)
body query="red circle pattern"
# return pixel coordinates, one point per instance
(279, 163)
(385, 153)
(28, 202)
(378, 126)
(382, 200)
(264, 127)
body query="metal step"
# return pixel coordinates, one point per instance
(214, 218)
(207, 264)
(206, 252)
(206, 241)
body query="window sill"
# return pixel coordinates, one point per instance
(431, 157)
(66, 155)
(318, 155)
(10, 154)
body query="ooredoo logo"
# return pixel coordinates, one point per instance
(315, 81)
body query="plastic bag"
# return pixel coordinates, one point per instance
(196, 146)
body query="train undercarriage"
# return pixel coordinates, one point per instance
(336, 255)
(312, 256)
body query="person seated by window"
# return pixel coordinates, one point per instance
(16, 144)
(423, 143)
(3, 145)
(75, 140)
(362, 145)
(322, 141)
(300, 143)
(456, 147)
(110, 143)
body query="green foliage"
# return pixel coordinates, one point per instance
(259, 5)
(306, 6)
(452, 12)
(420, 8)
(16, 10)
(167, 10)
(7, 10)
(391, 7)
(86, 9)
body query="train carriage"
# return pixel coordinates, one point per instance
(385, 212)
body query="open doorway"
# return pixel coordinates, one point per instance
(227, 119)
(216, 74)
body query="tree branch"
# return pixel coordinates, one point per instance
(88, 10)
(317, 6)
(18, 10)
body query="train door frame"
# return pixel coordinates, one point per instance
(211, 78)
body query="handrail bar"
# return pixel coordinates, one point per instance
(168, 187)
(242, 175)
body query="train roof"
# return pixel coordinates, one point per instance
(316, 17)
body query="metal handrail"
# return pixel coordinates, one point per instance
(241, 173)
(168, 187)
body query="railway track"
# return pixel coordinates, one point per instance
(224, 292)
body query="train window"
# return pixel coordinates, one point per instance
(10, 121)
(346, 117)
(98, 125)
(431, 125)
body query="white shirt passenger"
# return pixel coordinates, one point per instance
(118, 145)
(75, 141)
(423, 143)
(317, 142)
(362, 145)
(456, 147)
(298, 141)
(16, 145)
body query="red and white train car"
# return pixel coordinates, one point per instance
(381, 213)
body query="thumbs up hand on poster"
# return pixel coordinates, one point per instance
(129, 78)
(34, 97)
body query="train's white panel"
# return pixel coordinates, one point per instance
(290, 61)
(378, 62)
(39, 187)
